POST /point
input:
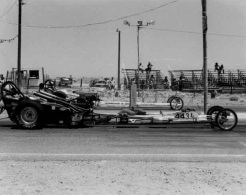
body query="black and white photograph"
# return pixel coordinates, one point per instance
(122, 97)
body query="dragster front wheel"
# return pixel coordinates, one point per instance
(176, 103)
(226, 119)
(212, 112)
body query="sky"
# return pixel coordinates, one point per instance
(80, 38)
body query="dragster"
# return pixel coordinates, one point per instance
(48, 105)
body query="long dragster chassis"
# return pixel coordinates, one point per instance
(223, 118)
(47, 106)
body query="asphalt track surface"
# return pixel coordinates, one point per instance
(178, 143)
(161, 143)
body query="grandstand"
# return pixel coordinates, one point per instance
(227, 81)
(142, 79)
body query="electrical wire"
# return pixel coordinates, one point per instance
(8, 40)
(98, 23)
(171, 30)
(5, 13)
(193, 32)
(121, 18)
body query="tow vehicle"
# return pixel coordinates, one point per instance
(51, 106)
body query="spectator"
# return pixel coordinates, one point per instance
(148, 70)
(166, 79)
(140, 67)
(113, 83)
(213, 94)
(216, 67)
(221, 69)
(166, 83)
(181, 79)
(1, 79)
(108, 83)
(149, 67)
(152, 81)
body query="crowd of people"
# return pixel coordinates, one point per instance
(150, 82)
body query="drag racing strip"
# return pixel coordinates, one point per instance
(124, 157)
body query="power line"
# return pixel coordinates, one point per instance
(172, 30)
(227, 35)
(8, 40)
(193, 32)
(101, 22)
(5, 13)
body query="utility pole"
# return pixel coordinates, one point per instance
(118, 58)
(19, 46)
(205, 69)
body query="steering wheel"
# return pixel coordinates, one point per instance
(49, 84)
(9, 88)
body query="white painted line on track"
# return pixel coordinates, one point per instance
(124, 155)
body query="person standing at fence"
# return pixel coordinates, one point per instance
(166, 83)
(216, 67)
(181, 79)
(140, 68)
(149, 67)
(148, 70)
(221, 69)
(152, 81)
(1, 79)
(113, 83)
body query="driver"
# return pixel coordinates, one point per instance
(49, 88)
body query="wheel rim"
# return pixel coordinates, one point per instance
(176, 103)
(214, 113)
(29, 115)
(226, 119)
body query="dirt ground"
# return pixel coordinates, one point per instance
(121, 177)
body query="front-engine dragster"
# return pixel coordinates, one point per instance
(49, 105)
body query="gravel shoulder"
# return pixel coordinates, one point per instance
(121, 177)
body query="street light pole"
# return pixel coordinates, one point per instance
(138, 28)
(139, 25)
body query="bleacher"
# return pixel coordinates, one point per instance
(193, 80)
(141, 78)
